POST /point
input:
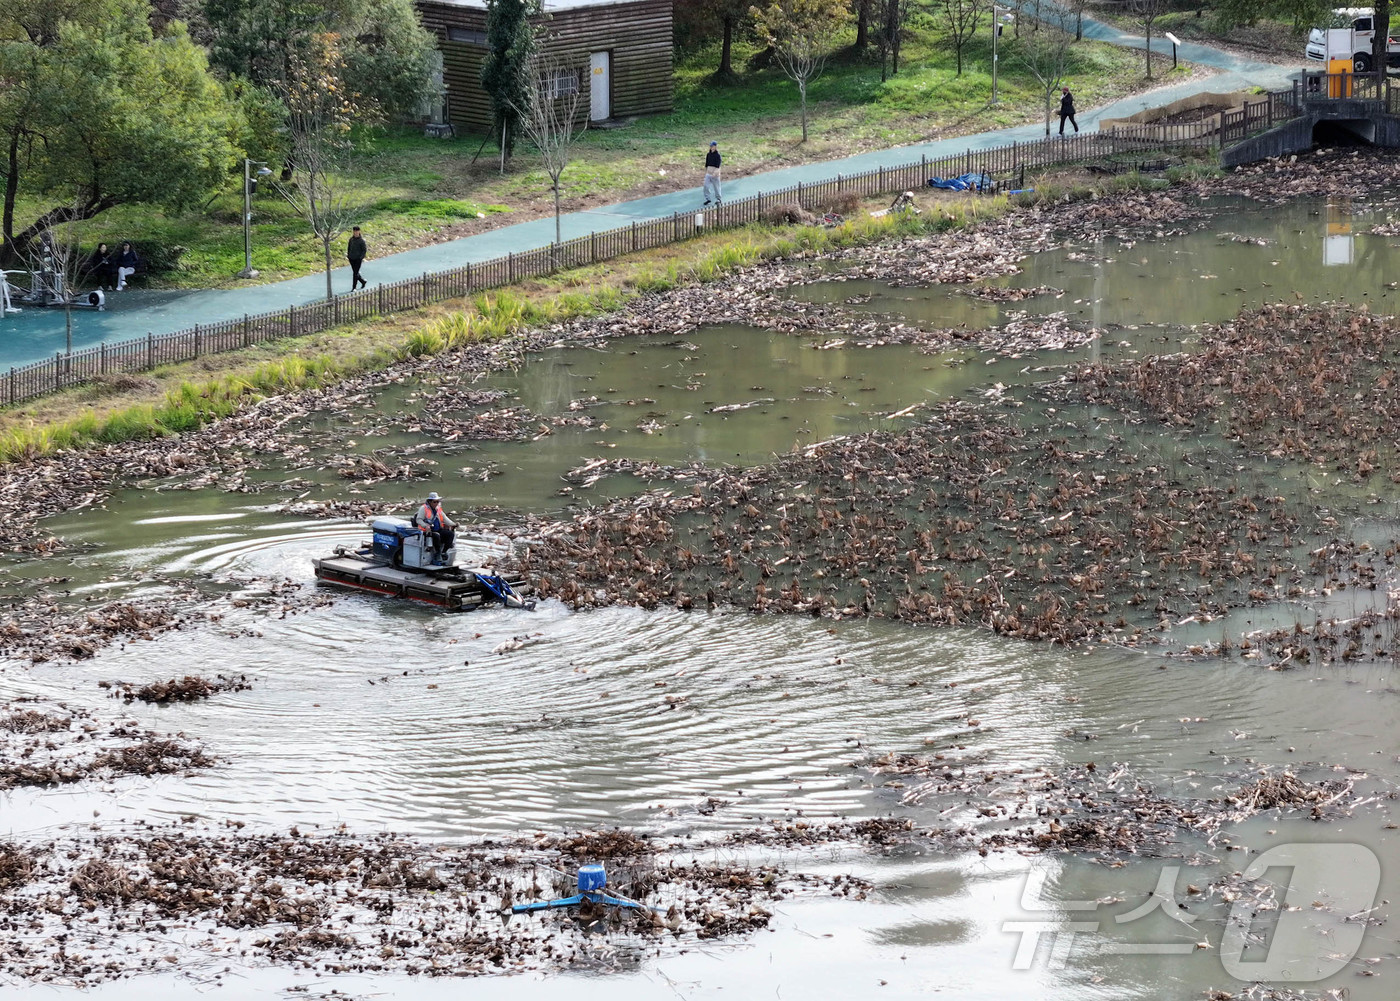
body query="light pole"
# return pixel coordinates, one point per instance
(997, 11)
(248, 270)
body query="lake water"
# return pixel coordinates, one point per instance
(384, 716)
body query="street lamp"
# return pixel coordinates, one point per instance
(248, 270)
(1006, 17)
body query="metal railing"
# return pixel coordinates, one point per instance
(25, 382)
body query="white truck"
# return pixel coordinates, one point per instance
(1352, 42)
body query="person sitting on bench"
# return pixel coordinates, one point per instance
(128, 263)
(433, 520)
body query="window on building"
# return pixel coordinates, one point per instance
(467, 36)
(561, 83)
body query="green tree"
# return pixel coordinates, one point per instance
(322, 106)
(96, 106)
(802, 33)
(386, 51)
(505, 73)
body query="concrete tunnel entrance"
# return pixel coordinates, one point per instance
(1344, 132)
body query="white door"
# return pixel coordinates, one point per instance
(600, 96)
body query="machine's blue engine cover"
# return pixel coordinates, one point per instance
(389, 534)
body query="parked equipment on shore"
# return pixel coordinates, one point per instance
(46, 289)
(400, 561)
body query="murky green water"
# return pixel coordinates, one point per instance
(379, 715)
(1305, 251)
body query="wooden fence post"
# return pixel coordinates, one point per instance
(593, 247)
(57, 369)
(12, 384)
(425, 287)
(291, 321)
(246, 331)
(799, 194)
(102, 355)
(634, 234)
(150, 350)
(510, 268)
(196, 340)
(381, 298)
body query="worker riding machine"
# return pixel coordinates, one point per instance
(400, 560)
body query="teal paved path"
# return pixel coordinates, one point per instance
(37, 334)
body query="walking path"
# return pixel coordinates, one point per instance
(37, 334)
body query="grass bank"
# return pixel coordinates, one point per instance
(418, 191)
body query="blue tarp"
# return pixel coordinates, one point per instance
(966, 182)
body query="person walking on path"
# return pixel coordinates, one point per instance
(711, 186)
(355, 252)
(1067, 110)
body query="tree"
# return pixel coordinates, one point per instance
(321, 107)
(1045, 51)
(61, 258)
(894, 15)
(802, 34)
(505, 73)
(1146, 13)
(703, 19)
(386, 50)
(1380, 47)
(553, 120)
(862, 9)
(95, 105)
(962, 18)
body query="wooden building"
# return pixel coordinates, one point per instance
(620, 51)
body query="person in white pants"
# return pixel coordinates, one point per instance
(127, 263)
(711, 186)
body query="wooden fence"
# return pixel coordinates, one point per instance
(142, 354)
(1221, 129)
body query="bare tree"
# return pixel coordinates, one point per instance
(802, 34)
(962, 18)
(58, 266)
(894, 14)
(321, 110)
(1146, 12)
(553, 121)
(1044, 51)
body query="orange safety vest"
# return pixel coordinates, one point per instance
(430, 519)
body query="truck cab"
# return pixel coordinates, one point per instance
(1351, 42)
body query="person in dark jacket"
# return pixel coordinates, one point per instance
(100, 266)
(128, 263)
(1067, 110)
(712, 165)
(355, 252)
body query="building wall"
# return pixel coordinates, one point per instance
(637, 33)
